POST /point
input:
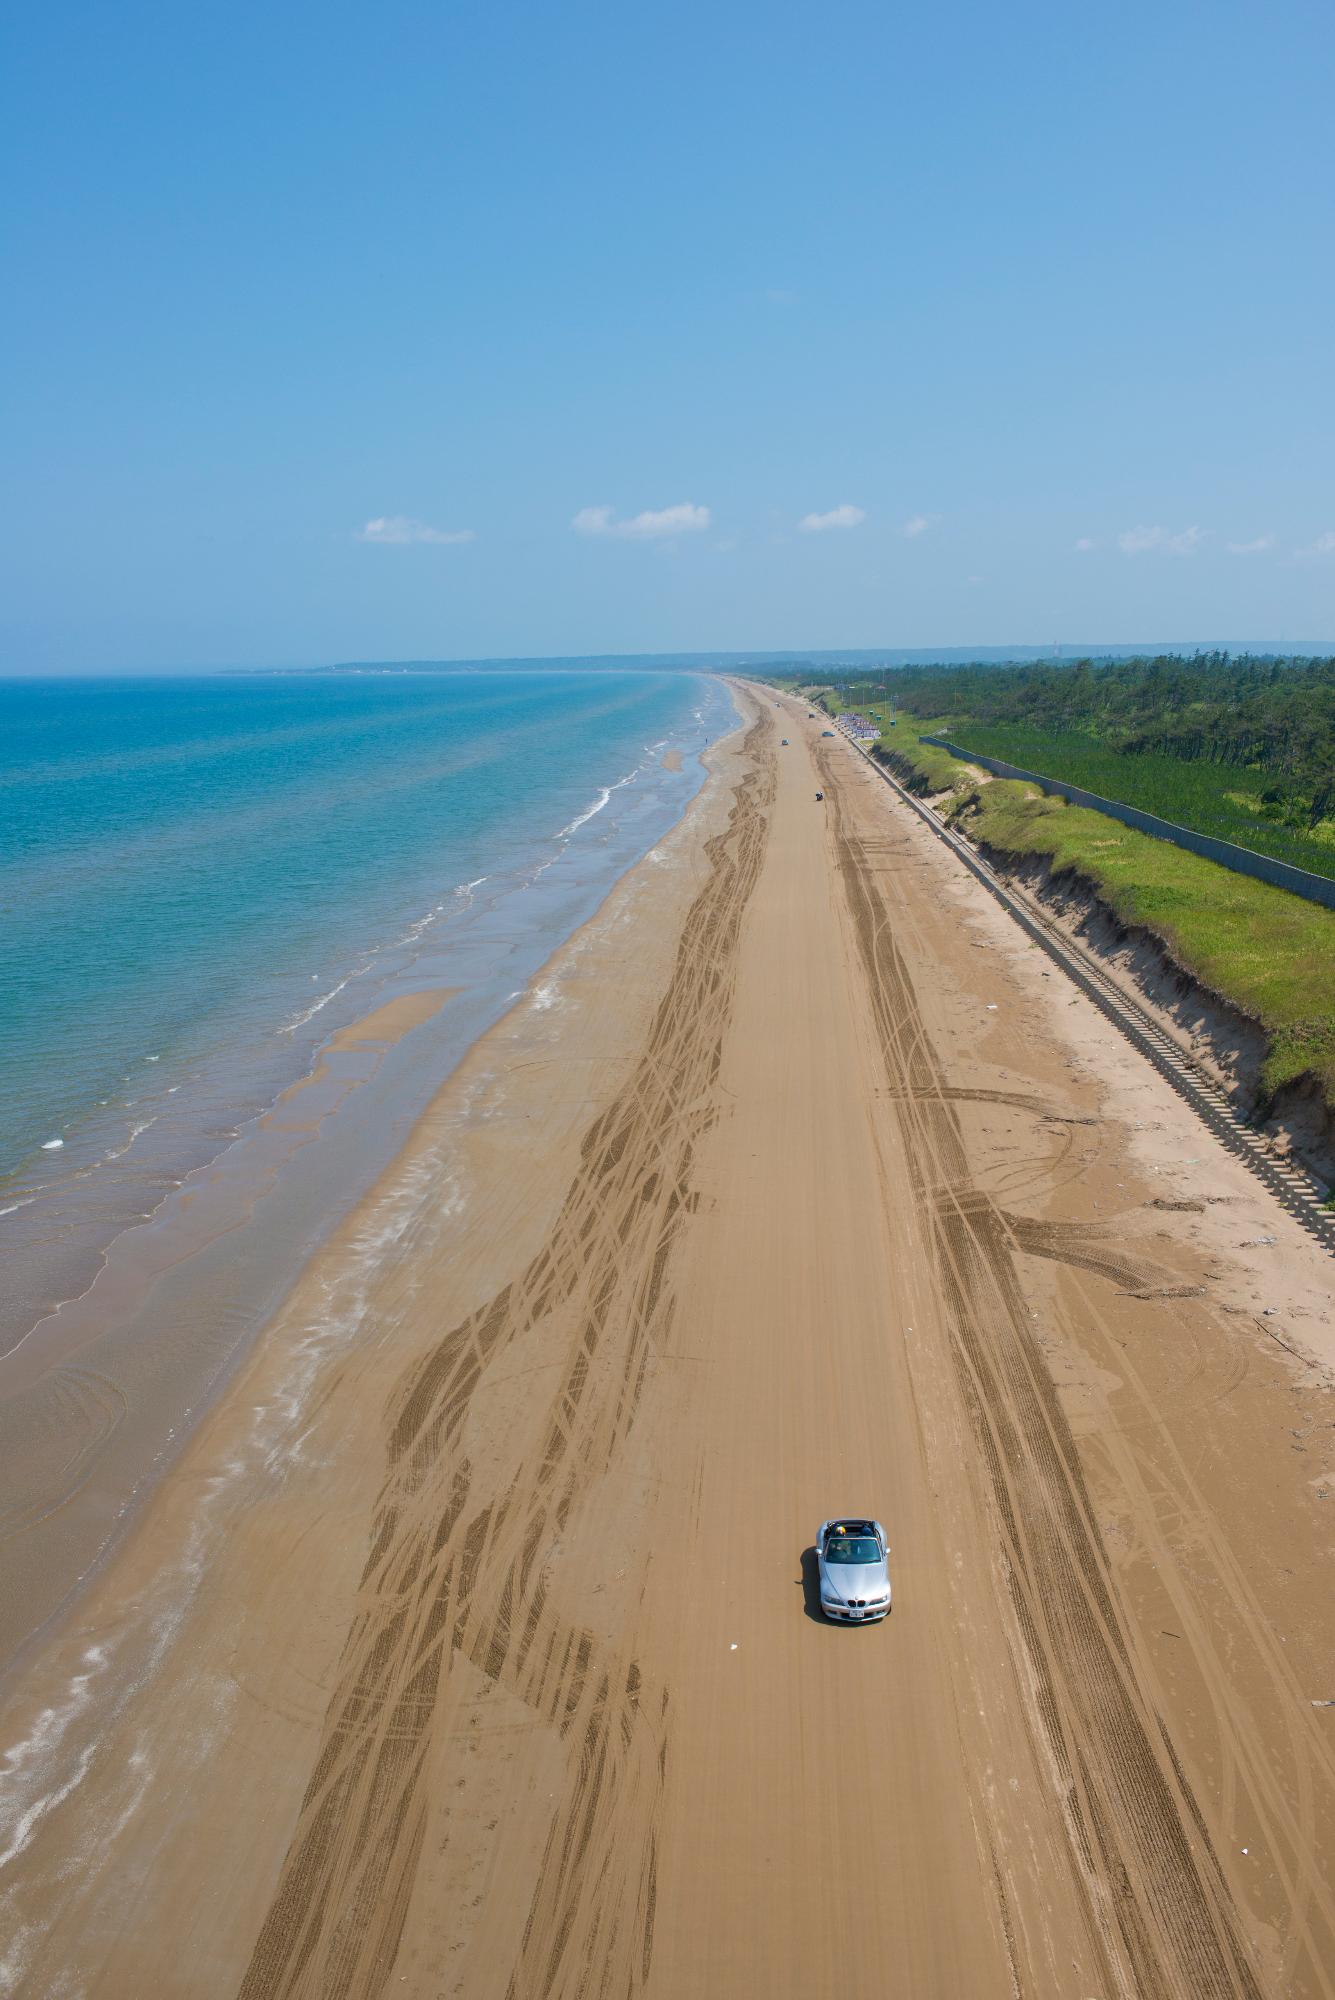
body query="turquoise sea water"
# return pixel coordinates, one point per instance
(200, 879)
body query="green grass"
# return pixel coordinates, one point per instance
(1222, 800)
(1271, 953)
(922, 766)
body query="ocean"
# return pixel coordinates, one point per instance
(202, 880)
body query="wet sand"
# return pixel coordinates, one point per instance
(380, 1029)
(470, 1647)
(100, 1394)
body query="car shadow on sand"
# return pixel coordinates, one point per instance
(810, 1582)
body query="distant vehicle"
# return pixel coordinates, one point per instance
(819, 797)
(827, 732)
(811, 715)
(783, 742)
(852, 1560)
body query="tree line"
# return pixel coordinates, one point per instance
(1274, 716)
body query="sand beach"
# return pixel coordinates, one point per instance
(470, 1647)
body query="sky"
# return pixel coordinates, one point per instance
(432, 331)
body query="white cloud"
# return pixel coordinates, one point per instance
(1135, 541)
(1139, 541)
(1256, 548)
(1324, 545)
(684, 519)
(1085, 544)
(845, 516)
(399, 529)
(918, 524)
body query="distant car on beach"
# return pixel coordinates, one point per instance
(852, 1561)
(827, 732)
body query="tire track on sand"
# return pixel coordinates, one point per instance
(457, 1569)
(1155, 1893)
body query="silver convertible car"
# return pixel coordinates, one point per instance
(852, 1560)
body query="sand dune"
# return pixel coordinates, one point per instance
(472, 1649)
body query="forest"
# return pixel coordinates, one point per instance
(1237, 747)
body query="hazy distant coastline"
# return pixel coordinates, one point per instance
(856, 659)
(867, 656)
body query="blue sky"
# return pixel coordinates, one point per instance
(429, 330)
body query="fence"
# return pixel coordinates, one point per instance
(1281, 874)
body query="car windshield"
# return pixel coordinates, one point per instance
(852, 1549)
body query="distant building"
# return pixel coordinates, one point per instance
(860, 727)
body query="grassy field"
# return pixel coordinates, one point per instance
(1242, 803)
(1270, 953)
(932, 769)
(1218, 799)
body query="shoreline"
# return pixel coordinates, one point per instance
(99, 1398)
(276, 1462)
(453, 909)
